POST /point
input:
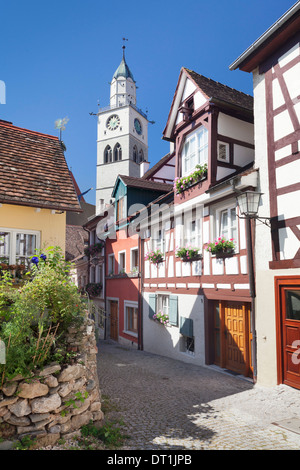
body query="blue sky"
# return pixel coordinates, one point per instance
(58, 57)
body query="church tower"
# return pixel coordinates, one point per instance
(122, 138)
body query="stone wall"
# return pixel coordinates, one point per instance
(57, 401)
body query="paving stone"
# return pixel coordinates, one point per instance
(168, 404)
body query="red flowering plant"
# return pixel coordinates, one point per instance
(220, 245)
(154, 256)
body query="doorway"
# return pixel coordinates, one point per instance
(232, 339)
(288, 330)
(114, 319)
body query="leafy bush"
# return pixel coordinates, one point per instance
(40, 315)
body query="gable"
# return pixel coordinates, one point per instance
(185, 88)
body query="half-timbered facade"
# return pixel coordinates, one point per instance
(274, 60)
(207, 298)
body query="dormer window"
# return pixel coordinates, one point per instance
(195, 150)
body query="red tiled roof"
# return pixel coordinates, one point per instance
(218, 91)
(137, 182)
(33, 170)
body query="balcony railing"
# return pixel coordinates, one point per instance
(111, 107)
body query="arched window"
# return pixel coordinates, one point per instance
(107, 154)
(141, 156)
(135, 154)
(117, 152)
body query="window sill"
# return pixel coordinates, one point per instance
(130, 333)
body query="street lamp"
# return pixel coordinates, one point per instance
(248, 202)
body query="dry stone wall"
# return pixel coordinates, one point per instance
(57, 401)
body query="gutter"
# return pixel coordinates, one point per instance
(286, 16)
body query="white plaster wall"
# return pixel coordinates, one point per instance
(235, 128)
(165, 341)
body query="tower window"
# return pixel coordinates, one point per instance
(141, 156)
(107, 154)
(135, 154)
(117, 152)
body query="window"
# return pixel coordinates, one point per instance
(166, 303)
(134, 262)
(122, 262)
(141, 156)
(135, 153)
(117, 152)
(162, 304)
(111, 264)
(195, 150)
(223, 152)
(120, 208)
(17, 247)
(192, 232)
(187, 344)
(131, 317)
(107, 154)
(228, 223)
(158, 241)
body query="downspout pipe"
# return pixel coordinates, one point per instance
(252, 294)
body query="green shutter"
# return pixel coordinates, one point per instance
(173, 310)
(186, 327)
(152, 305)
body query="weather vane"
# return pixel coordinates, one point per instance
(123, 47)
(61, 125)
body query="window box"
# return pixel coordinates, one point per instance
(185, 182)
(188, 254)
(155, 257)
(94, 289)
(221, 247)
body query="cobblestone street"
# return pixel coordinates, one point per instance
(167, 404)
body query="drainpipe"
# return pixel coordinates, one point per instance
(252, 294)
(140, 293)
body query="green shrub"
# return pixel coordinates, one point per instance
(39, 316)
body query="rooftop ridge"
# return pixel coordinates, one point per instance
(10, 125)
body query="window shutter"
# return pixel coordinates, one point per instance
(186, 327)
(152, 305)
(173, 310)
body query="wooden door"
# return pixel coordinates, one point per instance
(290, 323)
(236, 355)
(114, 319)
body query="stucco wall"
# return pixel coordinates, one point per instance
(52, 227)
(167, 340)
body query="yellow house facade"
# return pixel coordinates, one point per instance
(36, 192)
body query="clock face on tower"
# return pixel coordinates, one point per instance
(113, 122)
(138, 126)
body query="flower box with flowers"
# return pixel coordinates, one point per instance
(93, 249)
(188, 253)
(183, 183)
(221, 247)
(162, 318)
(155, 257)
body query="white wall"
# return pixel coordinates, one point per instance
(165, 341)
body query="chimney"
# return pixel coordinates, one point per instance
(144, 167)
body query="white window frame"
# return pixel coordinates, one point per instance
(188, 221)
(123, 252)
(131, 258)
(111, 263)
(162, 303)
(12, 243)
(130, 304)
(158, 242)
(227, 152)
(218, 225)
(189, 152)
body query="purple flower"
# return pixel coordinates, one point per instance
(44, 257)
(35, 260)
